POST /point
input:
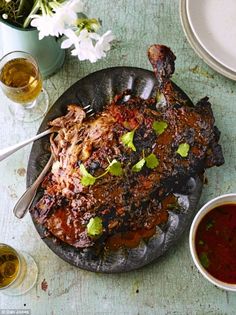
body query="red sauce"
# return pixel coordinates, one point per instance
(216, 242)
(128, 239)
(131, 239)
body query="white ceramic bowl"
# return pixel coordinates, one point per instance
(224, 199)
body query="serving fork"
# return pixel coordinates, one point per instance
(4, 153)
(24, 203)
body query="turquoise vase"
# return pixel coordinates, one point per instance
(46, 51)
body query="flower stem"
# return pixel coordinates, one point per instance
(34, 10)
(54, 4)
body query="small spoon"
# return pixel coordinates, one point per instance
(24, 203)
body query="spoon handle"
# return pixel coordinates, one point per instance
(24, 203)
(4, 153)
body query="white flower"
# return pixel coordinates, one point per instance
(55, 24)
(74, 5)
(46, 25)
(5, 16)
(103, 44)
(72, 39)
(66, 13)
(86, 49)
(84, 46)
(60, 18)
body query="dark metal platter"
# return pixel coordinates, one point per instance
(98, 89)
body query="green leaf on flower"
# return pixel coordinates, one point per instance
(94, 227)
(127, 139)
(87, 179)
(115, 168)
(151, 161)
(183, 149)
(138, 166)
(91, 25)
(159, 126)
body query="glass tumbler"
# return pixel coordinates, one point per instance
(18, 271)
(21, 82)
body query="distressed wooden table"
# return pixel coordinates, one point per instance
(172, 285)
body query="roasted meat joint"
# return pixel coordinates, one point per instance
(115, 174)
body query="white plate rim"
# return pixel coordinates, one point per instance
(201, 42)
(197, 47)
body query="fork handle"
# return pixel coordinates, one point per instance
(4, 153)
(25, 201)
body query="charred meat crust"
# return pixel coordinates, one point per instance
(134, 203)
(162, 60)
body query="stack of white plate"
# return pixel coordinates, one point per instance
(210, 27)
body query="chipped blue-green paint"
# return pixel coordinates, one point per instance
(172, 285)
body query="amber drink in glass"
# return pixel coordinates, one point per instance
(18, 271)
(22, 83)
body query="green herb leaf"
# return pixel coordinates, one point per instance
(87, 179)
(138, 166)
(209, 225)
(127, 140)
(183, 149)
(151, 161)
(115, 168)
(159, 126)
(204, 260)
(94, 227)
(201, 242)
